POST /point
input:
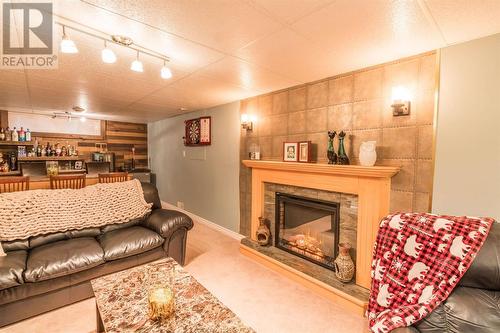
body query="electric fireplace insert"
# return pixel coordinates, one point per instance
(308, 228)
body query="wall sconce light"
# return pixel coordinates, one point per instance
(400, 101)
(247, 121)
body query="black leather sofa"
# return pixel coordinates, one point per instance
(474, 305)
(47, 272)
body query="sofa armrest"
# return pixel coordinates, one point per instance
(166, 222)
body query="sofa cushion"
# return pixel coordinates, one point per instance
(150, 193)
(40, 240)
(62, 258)
(15, 245)
(11, 269)
(116, 226)
(123, 243)
(58, 236)
(88, 232)
(470, 310)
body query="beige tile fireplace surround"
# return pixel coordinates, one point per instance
(358, 103)
(372, 185)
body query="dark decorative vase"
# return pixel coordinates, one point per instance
(332, 156)
(263, 233)
(342, 158)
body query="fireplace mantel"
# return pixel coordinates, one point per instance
(372, 185)
(341, 170)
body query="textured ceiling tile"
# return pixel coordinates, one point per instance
(290, 10)
(291, 55)
(244, 74)
(225, 25)
(13, 77)
(462, 20)
(360, 33)
(14, 99)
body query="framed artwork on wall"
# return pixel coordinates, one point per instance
(290, 150)
(198, 132)
(304, 152)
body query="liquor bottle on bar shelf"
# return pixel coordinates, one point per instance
(15, 135)
(28, 135)
(2, 134)
(57, 149)
(8, 134)
(21, 135)
(13, 162)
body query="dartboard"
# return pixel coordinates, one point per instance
(194, 132)
(197, 132)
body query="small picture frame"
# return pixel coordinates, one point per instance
(290, 151)
(304, 152)
(78, 165)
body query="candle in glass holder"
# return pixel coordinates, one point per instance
(161, 303)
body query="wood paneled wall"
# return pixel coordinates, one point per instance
(120, 138)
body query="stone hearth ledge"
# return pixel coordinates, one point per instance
(313, 270)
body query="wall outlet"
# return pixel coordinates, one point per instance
(180, 204)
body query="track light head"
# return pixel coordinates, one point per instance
(67, 45)
(136, 65)
(165, 72)
(107, 55)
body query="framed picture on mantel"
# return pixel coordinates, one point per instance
(305, 151)
(290, 150)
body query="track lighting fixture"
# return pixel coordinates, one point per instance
(108, 56)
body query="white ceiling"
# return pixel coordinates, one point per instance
(225, 50)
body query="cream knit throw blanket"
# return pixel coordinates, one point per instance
(37, 212)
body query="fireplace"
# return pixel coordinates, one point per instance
(308, 228)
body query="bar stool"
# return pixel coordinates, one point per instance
(14, 184)
(70, 181)
(113, 177)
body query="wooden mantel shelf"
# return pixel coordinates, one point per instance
(341, 170)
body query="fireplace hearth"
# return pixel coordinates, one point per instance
(308, 228)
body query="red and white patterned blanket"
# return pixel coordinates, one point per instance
(418, 259)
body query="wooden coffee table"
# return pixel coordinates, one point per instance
(122, 303)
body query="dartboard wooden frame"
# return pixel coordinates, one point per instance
(204, 132)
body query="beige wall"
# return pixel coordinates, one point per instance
(358, 103)
(467, 171)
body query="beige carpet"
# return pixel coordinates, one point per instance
(263, 299)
